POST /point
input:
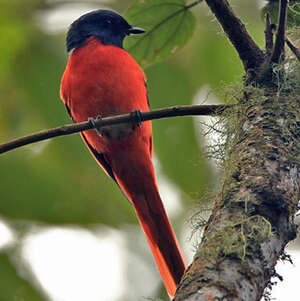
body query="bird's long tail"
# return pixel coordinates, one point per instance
(135, 176)
(162, 240)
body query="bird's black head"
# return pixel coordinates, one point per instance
(106, 25)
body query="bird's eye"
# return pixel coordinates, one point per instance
(108, 21)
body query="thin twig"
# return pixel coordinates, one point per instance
(83, 126)
(278, 52)
(251, 55)
(293, 48)
(269, 36)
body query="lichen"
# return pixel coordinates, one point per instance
(238, 239)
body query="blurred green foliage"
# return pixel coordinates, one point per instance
(57, 181)
(293, 17)
(14, 287)
(175, 143)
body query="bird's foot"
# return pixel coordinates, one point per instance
(93, 124)
(136, 117)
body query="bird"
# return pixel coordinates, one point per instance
(102, 79)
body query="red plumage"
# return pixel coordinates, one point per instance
(105, 80)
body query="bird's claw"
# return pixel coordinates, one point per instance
(93, 124)
(136, 117)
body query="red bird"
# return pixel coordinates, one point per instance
(101, 78)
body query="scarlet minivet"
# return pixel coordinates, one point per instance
(101, 78)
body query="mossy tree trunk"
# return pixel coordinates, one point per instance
(253, 216)
(252, 220)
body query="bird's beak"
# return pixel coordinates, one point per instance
(136, 30)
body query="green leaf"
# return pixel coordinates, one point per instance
(169, 26)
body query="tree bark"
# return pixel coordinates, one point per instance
(253, 217)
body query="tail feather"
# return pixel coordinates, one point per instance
(135, 176)
(162, 241)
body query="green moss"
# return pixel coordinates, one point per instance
(258, 135)
(237, 240)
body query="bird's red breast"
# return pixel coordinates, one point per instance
(104, 80)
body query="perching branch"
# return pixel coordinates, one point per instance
(293, 48)
(278, 52)
(249, 52)
(64, 130)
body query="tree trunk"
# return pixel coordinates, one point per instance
(253, 217)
